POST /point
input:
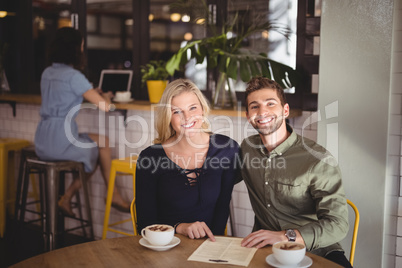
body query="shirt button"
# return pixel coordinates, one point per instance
(269, 159)
(269, 205)
(280, 153)
(266, 183)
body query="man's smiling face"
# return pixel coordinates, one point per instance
(265, 112)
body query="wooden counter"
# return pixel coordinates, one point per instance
(12, 99)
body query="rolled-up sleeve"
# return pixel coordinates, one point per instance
(331, 207)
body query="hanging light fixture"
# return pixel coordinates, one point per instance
(200, 21)
(175, 17)
(185, 18)
(3, 14)
(188, 36)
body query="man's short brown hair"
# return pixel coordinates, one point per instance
(259, 82)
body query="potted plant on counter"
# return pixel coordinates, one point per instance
(224, 50)
(155, 75)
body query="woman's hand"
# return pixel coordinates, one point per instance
(107, 95)
(195, 230)
(102, 101)
(99, 90)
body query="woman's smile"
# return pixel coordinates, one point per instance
(189, 125)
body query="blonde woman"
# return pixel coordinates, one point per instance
(186, 178)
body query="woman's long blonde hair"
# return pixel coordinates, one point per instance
(164, 113)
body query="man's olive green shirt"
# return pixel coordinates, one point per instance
(298, 185)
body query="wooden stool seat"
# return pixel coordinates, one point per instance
(127, 166)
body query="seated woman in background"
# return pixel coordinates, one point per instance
(63, 87)
(186, 178)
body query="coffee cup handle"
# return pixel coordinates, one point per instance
(143, 234)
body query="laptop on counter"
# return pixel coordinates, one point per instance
(115, 80)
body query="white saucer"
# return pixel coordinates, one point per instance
(306, 262)
(175, 241)
(118, 100)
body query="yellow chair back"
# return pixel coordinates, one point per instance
(355, 230)
(134, 216)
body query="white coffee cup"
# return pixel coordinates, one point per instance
(122, 95)
(158, 234)
(289, 253)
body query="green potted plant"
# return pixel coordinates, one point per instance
(224, 50)
(155, 75)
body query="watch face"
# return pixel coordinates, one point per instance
(291, 235)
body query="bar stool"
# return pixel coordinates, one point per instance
(52, 177)
(126, 166)
(22, 187)
(7, 168)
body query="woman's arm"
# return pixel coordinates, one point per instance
(229, 174)
(146, 192)
(101, 100)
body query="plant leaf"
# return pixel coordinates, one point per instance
(264, 68)
(222, 63)
(283, 73)
(254, 68)
(232, 68)
(244, 71)
(202, 53)
(174, 63)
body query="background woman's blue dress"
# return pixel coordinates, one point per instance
(62, 88)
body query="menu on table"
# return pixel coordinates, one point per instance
(225, 250)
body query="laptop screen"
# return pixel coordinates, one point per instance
(115, 80)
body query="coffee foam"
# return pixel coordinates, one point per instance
(160, 228)
(289, 246)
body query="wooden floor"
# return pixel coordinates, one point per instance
(20, 243)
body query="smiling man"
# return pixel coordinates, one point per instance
(295, 195)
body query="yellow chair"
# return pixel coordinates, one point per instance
(355, 230)
(7, 170)
(134, 216)
(126, 166)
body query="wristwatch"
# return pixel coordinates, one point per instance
(290, 234)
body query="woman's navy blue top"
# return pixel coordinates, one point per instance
(164, 193)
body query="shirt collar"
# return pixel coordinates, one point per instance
(281, 148)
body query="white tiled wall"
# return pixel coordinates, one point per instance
(134, 137)
(395, 144)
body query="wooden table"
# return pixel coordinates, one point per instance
(127, 252)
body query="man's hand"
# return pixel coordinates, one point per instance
(261, 238)
(195, 230)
